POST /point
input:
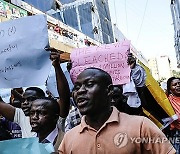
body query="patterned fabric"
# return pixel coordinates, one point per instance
(73, 119)
(175, 102)
(61, 123)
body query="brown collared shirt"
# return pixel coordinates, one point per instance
(121, 133)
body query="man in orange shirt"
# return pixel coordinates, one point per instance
(103, 128)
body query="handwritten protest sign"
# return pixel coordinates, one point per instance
(51, 81)
(23, 60)
(111, 58)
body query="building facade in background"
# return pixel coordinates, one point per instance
(71, 23)
(175, 10)
(91, 17)
(61, 36)
(160, 67)
(154, 68)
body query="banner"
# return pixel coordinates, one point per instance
(23, 60)
(11, 11)
(157, 104)
(111, 58)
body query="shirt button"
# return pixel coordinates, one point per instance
(98, 145)
(98, 135)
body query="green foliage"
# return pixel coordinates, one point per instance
(176, 73)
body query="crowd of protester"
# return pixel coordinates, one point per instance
(96, 117)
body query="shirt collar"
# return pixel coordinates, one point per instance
(114, 117)
(51, 137)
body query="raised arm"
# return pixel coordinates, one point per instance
(62, 84)
(6, 110)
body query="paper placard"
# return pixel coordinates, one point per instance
(23, 60)
(111, 58)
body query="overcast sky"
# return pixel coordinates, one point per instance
(147, 23)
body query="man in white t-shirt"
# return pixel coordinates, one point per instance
(21, 115)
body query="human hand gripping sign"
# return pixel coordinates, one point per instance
(54, 55)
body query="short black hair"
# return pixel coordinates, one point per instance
(169, 84)
(39, 91)
(106, 77)
(49, 101)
